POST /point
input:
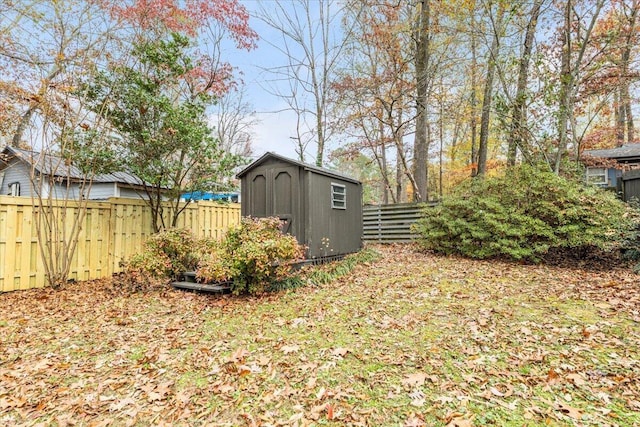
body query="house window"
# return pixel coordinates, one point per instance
(597, 176)
(338, 196)
(14, 189)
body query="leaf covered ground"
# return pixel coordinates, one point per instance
(410, 339)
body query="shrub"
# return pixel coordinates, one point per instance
(253, 254)
(524, 214)
(327, 273)
(169, 253)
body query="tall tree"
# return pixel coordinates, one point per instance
(233, 119)
(492, 58)
(45, 47)
(421, 142)
(312, 48)
(609, 76)
(575, 40)
(518, 132)
(375, 88)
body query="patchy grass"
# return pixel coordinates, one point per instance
(408, 339)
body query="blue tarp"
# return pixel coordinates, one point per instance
(208, 196)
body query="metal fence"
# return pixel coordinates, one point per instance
(391, 223)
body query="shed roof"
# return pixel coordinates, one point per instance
(48, 164)
(625, 151)
(305, 166)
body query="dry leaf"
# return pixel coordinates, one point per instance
(571, 412)
(415, 380)
(414, 421)
(576, 379)
(340, 352)
(502, 390)
(553, 377)
(286, 349)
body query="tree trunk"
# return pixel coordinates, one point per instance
(625, 98)
(440, 155)
(421, 148)
(474, 101)
(488, 94)
(566, 85)
(384, 169)
(619, 114)
(518, 134)
(569, 75)
(399, 170)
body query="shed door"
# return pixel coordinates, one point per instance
(285, 196)
(275, 192)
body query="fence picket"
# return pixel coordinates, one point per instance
(391, 223)
(112, 231)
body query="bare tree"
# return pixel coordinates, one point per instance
(518, 134)
(497, 24)
(574, 47)
(233, 119)
(312, 50)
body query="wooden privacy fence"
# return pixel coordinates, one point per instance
(112, 231)
(391, 223)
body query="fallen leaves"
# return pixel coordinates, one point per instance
(410, 340)
(571, 412)
(414, 380)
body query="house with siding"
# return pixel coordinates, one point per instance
(25, 173)
(616, 168)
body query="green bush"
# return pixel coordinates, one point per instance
(169, 253)
(524, 214)
(254, 254)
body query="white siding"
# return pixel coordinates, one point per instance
(130, 193)
(17, 171)
(102, 191)
(60, 191)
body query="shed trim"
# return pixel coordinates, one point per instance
(305, 166)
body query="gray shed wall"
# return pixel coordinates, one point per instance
(302, 199)
(273, 188)
(333, 231)
(631, 189)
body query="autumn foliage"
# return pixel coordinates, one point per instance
(524, 214)
(252, 255)
(169, 253)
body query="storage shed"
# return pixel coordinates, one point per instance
(320, 207)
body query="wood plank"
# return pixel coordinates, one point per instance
(10, 252)
(203, 287)
(25, 246)
(112, 231)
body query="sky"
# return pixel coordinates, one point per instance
(276, 125)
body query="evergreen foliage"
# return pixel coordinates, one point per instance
(523, 214)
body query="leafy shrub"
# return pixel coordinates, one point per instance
(169, 253)
(524, 214)
(253, 254)
(324, 274)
